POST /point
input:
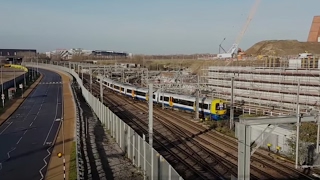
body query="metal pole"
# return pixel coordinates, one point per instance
(122, 75)
(63, 151)
(101, 90)
(2, 90)
(198, 97)
(298, 125)
(14, 79)
(197, 104)
(232, 104)
(90, 71)
(162, 97)
(37, 67)
(24, 79)
(22, 92)
(82, 73)
(32, 71)
(147, 76)
(318, 133)
(151, 115)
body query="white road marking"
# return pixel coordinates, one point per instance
(19, 140)
(0, 166)
(6, 128)
(45, 163)
(21, 136)
(31, 124)
(44, 159)
(55, 117)
(8, 153)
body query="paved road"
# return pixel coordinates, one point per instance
(26, 137)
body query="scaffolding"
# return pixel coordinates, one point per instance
(269, 89)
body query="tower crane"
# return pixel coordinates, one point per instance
(233, 51)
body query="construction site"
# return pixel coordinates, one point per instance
(272, 81)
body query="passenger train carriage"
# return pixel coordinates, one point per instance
(214, 109)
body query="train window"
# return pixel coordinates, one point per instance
(129, 91)
(220, 106)
(161, 97)
(122, 89)
(166, 98)
(115, 87)
(141, 93)
(203, 106)
(154, 96)
(185, 102)
(176, 101)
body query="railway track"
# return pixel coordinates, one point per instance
(194, 154)
(191, 135)
(174, 149)
(198, 142)
(278, 170)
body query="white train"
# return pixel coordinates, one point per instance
(214, 109)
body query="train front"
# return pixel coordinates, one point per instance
(218, 110)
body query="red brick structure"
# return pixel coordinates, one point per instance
(314, 33)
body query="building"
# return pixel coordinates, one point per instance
(16, 54)
(66, 54)
(314, 34)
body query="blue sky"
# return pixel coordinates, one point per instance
(149, 26)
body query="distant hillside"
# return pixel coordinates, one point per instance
(283, 48)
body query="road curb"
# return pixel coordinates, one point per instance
(52, 172)
(4, 117)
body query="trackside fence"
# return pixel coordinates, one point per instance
(152, 165)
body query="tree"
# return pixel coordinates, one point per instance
(307, 137)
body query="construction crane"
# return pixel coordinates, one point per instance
(233, 51)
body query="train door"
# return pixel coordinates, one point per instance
(171, 101)
(133, 94)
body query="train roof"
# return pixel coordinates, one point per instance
(145, 90)
(189, 97)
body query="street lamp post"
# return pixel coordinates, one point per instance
(37, 66)
(21, 87)
(2, 89)
(63, 151)
(14, 79)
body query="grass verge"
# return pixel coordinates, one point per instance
(220, 126)
(73, 163)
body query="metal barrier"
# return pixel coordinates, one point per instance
(141, 154)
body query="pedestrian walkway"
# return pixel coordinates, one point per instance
(55, 169)
(17, 102)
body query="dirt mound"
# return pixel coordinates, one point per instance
(283, 48)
